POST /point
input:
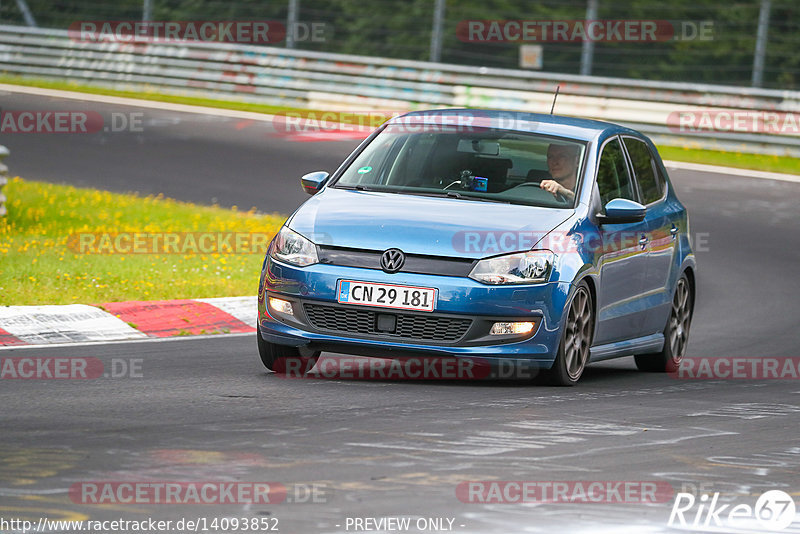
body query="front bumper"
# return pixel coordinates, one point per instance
(460, 301)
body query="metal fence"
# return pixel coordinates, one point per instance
(747, 43)
(325, 81)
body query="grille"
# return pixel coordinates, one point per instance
(415, 263)
(409, 326)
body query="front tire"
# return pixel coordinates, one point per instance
(576, 340)
(282, 359)
(676, 333)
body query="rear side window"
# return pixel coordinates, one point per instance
(613, 180)
(650, 183)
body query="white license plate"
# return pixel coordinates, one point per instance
(386, 295)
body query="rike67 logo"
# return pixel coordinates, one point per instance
(773, 511)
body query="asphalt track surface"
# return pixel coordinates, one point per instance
(192, 157)
(205, 410)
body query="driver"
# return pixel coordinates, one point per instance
(562, 162)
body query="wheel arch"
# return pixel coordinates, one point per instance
(592, 292)
(690, 276)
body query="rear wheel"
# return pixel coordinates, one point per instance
(283, 359)
(576, 340)
(676, 333)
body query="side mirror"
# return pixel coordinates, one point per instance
(621, 211)
(313, 181)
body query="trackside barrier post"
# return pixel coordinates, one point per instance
(3, 179)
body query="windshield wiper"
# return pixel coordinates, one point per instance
(454, 194)
(360, 187)
(448, 194)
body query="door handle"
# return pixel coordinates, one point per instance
(674, 231)
(643, 241)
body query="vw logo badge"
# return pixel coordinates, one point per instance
(392, 260)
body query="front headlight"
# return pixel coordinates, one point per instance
(521, 268)
(290, 247)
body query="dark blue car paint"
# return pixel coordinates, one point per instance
(632, 285)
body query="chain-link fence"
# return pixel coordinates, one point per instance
(748, 42)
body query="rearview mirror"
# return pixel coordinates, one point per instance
(313, 181)
(479, 146)
(621, 211)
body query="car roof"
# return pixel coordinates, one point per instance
(557, 125)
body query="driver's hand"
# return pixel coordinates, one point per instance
(553, 187)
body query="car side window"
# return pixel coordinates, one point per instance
(650, 183)
(613, 179)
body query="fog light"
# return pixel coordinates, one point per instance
(502, 329)
(281, 306)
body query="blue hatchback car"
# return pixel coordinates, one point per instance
(513, 237)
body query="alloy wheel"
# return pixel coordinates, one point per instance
(679, 321)
(579, 333)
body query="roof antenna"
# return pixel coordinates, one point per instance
(554, 99)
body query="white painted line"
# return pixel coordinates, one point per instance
(733, 171)
(124, 341)
(63, 324)
(12, 492)
(151, 104)
(243, 308)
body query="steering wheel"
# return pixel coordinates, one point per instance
(559, 196)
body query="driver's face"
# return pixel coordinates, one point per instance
(562, 161)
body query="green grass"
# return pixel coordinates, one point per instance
(759, 162)
(43, 262)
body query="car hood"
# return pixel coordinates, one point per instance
(415, 224)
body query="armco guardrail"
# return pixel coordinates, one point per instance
(344, 82)
(3, 179)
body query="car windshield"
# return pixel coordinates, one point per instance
(486, 165)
